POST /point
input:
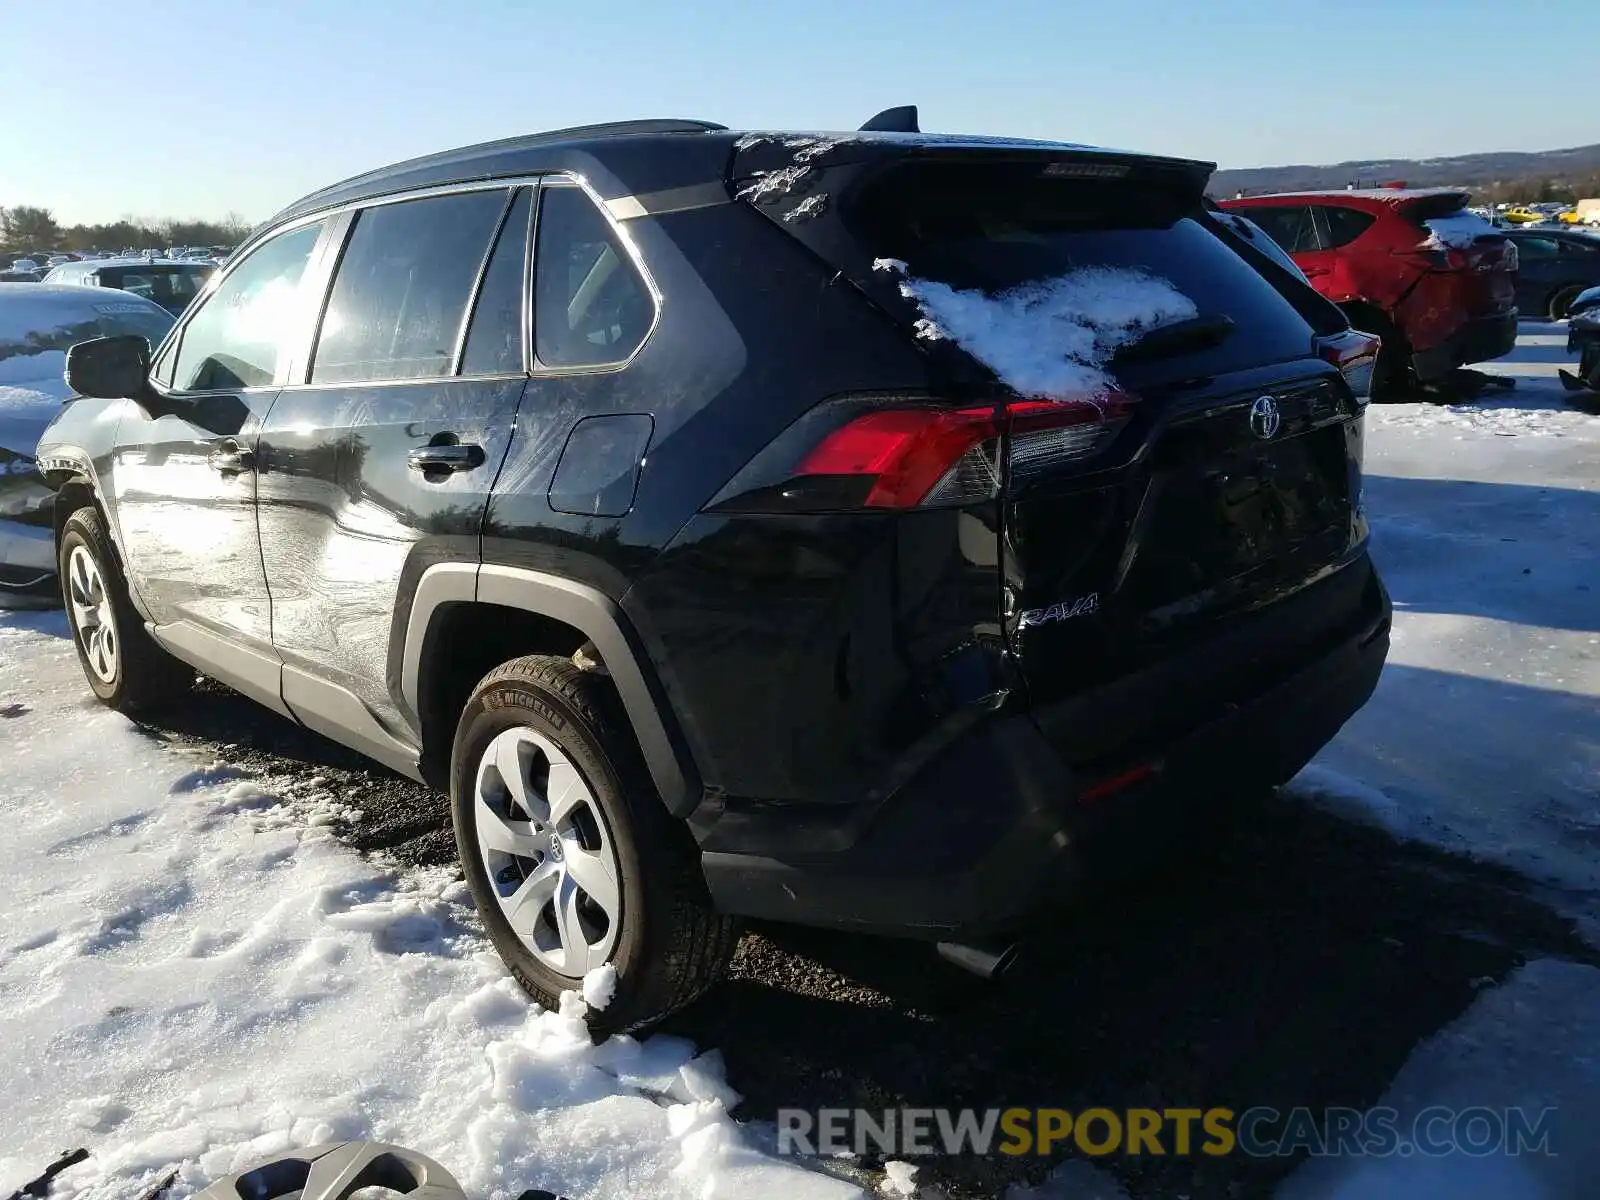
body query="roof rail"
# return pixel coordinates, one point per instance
(625, 129)
(547, 137)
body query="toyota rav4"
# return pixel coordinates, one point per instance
(882, 530)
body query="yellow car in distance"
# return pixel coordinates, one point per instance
(1521, 215)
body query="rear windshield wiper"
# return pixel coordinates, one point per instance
(1181, 337)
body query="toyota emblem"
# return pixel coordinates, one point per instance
(1265, 418)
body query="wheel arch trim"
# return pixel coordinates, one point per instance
(598, 618)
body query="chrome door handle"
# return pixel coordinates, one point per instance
(445, 459)
(230, 458)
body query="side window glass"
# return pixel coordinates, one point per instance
(1344, 225)
(591, 305)
(494, 339)
(236, 337)
(402, 288)
(1537, 248)
(1291, 228)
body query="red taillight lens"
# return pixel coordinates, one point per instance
(923, 457)
(906, 452)
(1355, 354)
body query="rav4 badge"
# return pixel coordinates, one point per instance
(1065, 611)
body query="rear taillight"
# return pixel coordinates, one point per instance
(1355, 354)
(901, 457)
(918, 456)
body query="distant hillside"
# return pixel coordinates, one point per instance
(1465, 170)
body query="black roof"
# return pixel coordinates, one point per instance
(637, 158)
(632, 147)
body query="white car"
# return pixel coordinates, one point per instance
(38, 323)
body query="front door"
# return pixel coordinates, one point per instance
(184, 482)
(378, 461)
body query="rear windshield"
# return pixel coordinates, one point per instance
(1430, 208)
(993, 227)
(165, 285)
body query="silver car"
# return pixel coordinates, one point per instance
(38, 323)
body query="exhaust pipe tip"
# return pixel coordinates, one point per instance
(986, 962)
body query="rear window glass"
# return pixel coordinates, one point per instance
(1292, 227)
(1430, 207)
(1345, 225)
(166, 286)
(999, 226)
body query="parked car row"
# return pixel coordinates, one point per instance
(1441, 285)
(171, 283)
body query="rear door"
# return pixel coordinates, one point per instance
(1218, 481)
(379, 457)
(1330, 267)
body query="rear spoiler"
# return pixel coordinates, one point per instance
(782, 172)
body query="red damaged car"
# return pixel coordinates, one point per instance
(1433, 280)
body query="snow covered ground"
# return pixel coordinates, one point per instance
(194, 972)
(1484, 738)
(1484, 735)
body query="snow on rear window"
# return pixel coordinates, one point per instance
(1051, 338)
(1456, 231)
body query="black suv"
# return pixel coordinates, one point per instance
(624, 481)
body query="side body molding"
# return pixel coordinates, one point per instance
(598, 618)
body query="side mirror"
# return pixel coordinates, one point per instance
(110, 368)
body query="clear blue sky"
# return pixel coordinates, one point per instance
(198, 107)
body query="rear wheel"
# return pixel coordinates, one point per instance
(125, 667)
(1561, 302)
(1394, 377)
(573, 861)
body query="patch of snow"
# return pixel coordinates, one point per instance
(808, 149)
(1528, 1044)
(1050, 338)
(811, 206)
(1350, 798)
(767, 186)
(1498, 418)
(192, 977)
(900, 1179)
(1456, 231)
(895, 265)
(600, 987)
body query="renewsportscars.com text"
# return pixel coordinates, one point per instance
(1259, 1132)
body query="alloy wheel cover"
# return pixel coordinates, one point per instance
(543, 843)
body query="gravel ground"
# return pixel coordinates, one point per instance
(1290, 958)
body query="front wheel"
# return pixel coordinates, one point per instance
(573, 861)
(125, 667)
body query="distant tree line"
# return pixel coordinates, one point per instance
(1539, 190)
(24, 227)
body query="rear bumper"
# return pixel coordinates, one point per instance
(1478, 340)
(993, 830)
